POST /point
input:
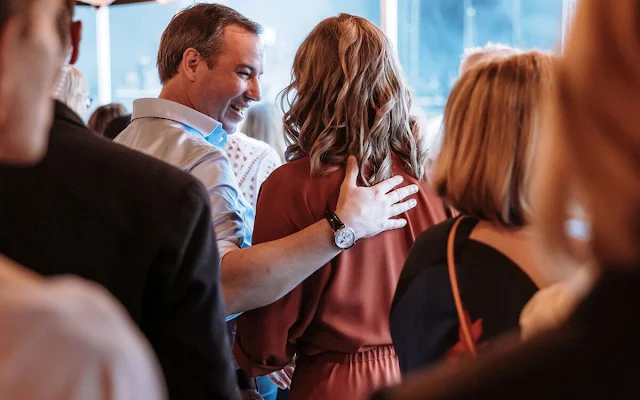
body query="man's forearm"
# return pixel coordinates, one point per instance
(259, 275)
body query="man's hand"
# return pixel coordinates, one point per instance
(370, 210)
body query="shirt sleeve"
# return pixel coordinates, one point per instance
(266, 337)
(231, 214)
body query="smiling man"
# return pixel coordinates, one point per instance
(210, 61)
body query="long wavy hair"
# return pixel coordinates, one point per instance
(347, 96)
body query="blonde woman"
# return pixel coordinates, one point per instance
(347, 97)
(592, 149)
(484, 171)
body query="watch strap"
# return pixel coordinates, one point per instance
(334, 221)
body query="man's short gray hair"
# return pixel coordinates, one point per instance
(200, 27)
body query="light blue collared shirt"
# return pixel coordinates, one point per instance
(194, 142)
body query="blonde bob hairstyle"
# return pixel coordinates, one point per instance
(490, 125)
(348, 97)
(593, 143)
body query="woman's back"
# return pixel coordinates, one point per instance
(347, 97)
(483, 170)
(343, 308)
(424, 321)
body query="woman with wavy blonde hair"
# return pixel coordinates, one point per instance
(484, 170)
(347, 97)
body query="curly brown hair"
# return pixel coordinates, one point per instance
(348, 97)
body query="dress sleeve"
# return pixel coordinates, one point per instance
(266, 337)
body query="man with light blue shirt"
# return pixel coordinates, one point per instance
(193, 142)
(210, 61)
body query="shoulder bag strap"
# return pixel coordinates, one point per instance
(464, 323)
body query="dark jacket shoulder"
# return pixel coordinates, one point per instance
(95, 164)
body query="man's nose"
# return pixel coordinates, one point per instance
(253, 91)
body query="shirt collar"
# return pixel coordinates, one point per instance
(193, 120)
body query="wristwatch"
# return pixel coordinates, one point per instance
(343, 237)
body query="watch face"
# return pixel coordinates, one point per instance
(345, 238)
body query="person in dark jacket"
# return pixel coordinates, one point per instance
(138, 227)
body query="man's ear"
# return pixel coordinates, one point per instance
(76, 37)
(190, 60)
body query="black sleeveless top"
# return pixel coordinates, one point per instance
(424, 323)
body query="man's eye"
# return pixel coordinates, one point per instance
(244, 74)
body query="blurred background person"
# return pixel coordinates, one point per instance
(589, 154)
(117, 125)
(61, 338)
(103, 115)
(72, 90)
(484, 171)
(252, 161)
(336, 321)
(264, 122)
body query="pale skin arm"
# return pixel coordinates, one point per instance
(259, 275)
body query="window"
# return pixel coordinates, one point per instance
(136, 30)
(135, 36)
(432, 35)
(284, 35)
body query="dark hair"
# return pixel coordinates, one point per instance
(103, 115)
(9, 8)
(71, 6)
(200, 27)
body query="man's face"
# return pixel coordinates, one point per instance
(29, 64)
(225, 91)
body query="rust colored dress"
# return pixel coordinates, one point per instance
(337, 320)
